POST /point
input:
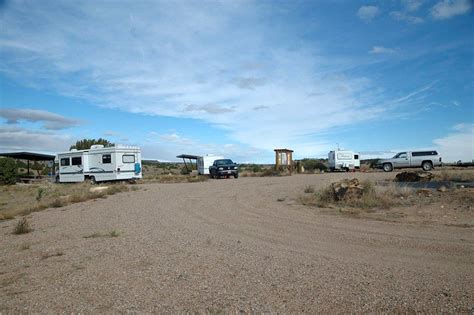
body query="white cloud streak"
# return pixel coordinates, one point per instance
(458, 145)
(188, 60)
(368, 12)
(403, 16)
(382, 50)
(447, 9)
(50, 120)
(18, 139)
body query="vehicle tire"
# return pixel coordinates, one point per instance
(92, 180)
(387, 167)
(236, 175)
(426, 166)
(331, 169)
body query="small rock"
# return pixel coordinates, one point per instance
(98, 189)
(442, 189)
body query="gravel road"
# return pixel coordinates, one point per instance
(230, 245)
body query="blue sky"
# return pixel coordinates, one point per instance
(239, 78)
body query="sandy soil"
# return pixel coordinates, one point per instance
(230, 245)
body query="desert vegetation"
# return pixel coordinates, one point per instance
(22, 199)
(352, 194)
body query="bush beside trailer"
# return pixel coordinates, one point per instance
(343, 160)
(99, 164)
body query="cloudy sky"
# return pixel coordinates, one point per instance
(239, 78)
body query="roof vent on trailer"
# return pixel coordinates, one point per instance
(97, 146)
(73, 150)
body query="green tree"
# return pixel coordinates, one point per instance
(8, 171)
(85, 144)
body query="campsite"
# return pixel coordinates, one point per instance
(236, 157)
(247, 245)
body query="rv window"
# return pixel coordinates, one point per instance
(76, 160)
(106, 159)
(356, 156)
(65, 162)
(128, 158)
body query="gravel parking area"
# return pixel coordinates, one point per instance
(230, 246)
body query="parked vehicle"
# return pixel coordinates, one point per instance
(343, 160)
(99, 164)
(204, 162)
(224, 167)
(427, 160)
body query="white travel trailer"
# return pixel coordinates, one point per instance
(343, 160)
(99, 164)
(203, 163)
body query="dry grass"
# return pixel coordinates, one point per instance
(113, 233)
(372, 197)
(455, 175)
(175, 178)
(309, 190)
(22, 227)
(23, 199)
(49, 255)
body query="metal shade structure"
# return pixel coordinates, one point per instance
(190, 158)
(29, 156)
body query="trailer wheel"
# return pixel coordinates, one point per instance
(92, 180)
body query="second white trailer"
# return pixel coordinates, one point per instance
(343, 160)
(203, 163)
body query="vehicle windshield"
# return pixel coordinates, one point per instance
(224, 162)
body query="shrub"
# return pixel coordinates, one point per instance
(185, 171)
(57, 203)
(22, 226)
(309, 189)
(8, 171)
(39, 194)
(313, 164)
(368, 199)
(256, 168)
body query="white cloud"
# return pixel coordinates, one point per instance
(412, 5)
(166, 147)
(458, 145)
(50, 120)
(402, 16)
(19, 139)
(368, 12)
(188, 60)
(175, 138)
(449, 8)
(382, 50)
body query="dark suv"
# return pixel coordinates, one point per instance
(224, 167)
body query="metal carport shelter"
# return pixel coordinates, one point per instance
(29, 156)
(190, 158)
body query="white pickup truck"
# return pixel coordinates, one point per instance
(427, 160)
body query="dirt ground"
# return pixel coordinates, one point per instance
(236, 245)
